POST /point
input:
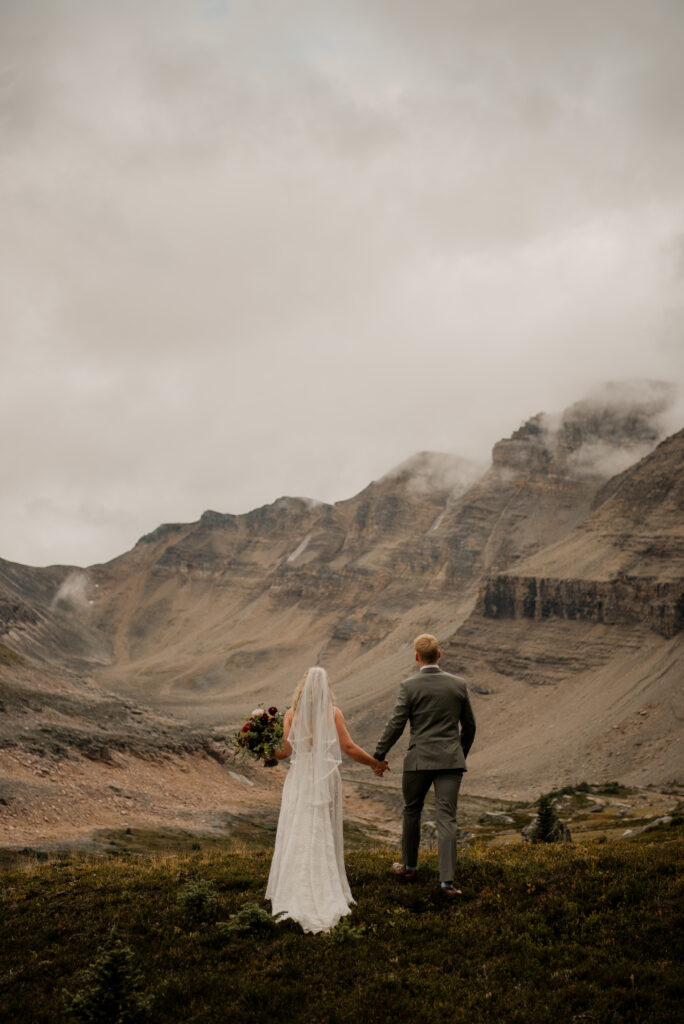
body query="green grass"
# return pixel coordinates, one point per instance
(542, 934)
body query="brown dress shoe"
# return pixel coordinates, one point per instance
(449, 892)
(399, 870)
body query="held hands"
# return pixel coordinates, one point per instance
(380, 767)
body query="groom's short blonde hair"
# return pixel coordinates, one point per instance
(427, 648)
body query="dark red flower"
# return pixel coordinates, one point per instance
(245, 727)
(264, 718)
(273, 711)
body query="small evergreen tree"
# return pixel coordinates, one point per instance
(250, 918)
(111, 990)
(199, 898)
(546, 820)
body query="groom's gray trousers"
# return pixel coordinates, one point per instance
(447, 782)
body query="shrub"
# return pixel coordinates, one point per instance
(344, 933)
(111, 989)
(612, 788)
(250, 918)
(199, 898)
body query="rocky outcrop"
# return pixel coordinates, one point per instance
(663, 822)
(526, 448)
(626, 600)
(163, 531)
(320, 587)
(14, 612)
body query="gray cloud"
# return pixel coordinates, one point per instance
(437, 471)
(244, 244)
(73, 594)
(620, 423)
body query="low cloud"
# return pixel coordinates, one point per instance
(643, 405)
(602, 459)
(437, 472)
(613, 427)
(73, 594)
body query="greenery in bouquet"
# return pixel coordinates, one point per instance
(260, 736)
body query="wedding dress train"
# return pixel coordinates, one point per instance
(307, 880)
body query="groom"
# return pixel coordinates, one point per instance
(435, 703)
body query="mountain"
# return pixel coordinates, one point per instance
(593, 623)
(553, 578)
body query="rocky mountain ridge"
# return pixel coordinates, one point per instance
(554, 584)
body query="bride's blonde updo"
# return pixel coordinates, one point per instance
(300, 687)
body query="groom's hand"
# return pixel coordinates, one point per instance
(380, 768)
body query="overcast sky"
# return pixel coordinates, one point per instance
(258, 248)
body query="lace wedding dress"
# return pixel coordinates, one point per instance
(308, 881)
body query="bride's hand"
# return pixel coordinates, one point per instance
(380, 767)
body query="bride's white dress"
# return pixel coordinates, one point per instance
(308, 881)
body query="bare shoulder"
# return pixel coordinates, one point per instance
(340, 724)
(342, 730)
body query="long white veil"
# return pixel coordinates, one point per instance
(313, 735)
(307, 880)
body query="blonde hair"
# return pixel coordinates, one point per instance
(300, 687)
(426, 648)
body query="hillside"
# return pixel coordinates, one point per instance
(540, 934)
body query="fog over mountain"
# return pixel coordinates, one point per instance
(255, 249)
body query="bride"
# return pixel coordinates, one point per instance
(307, 880)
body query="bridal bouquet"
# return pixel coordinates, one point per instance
(260, 736)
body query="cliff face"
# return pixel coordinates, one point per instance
(626, 600)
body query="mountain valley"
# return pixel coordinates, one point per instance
(554, 580)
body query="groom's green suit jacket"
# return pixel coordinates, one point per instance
(442, 722)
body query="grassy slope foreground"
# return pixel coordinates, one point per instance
(585, 933)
